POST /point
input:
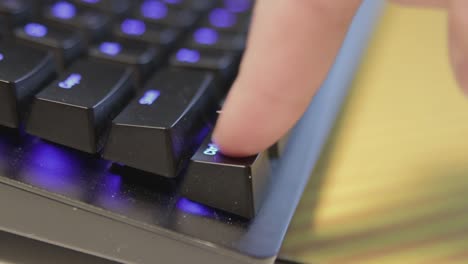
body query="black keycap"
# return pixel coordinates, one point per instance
(137, 30)
(75, 109)
(209, 38)
(224, 63)
(113, 7)
(158, 12)
(198, 5)
(235, 185)
(66, 44)
(13, 12)
(91, 24)
(23, 71)
(160, 130)
(224, 20)
(141, 57)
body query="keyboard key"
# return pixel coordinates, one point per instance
(164, 122)
(66, 44)
(137, 30)
(23, 72)
(224, 20)
(235, 185)
(209, 38)
(14, 12)
(75, 109)
(198, 5)
(158, 12)
(142, 58)
(224, 63)
(90, 23)
(113, 7)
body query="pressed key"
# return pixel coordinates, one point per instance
(66, 44)
(209, 38)
(141, 57)
(75, 109)
(224, 63)
(136, 30)
(159, 12)
(23, 72)
(235, 185)
(113, 7)
(90, 23)
(224, 20)
(161, 128)
(197, 5)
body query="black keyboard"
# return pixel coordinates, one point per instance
(138, 82)
(106, 112)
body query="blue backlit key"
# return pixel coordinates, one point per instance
(157, 11)
(225, 20)
(137, 30)
(75, 109)
(141, 57)
(91, 23)
(66, 44)
(197, 5)
(235, 185)
(224, 63)
(210, 38)
(166, 122)
(238, 6)
(23, 72)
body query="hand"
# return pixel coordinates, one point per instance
(291, 47)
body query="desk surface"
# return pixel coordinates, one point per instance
(393, 186)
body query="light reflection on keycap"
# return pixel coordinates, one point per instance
(194, 208)
(63, 10)
(153, 9)
(149, 97)
(35, 30)
(222, 18)
(206, 36)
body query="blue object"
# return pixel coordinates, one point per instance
(172, 1)
(153, 9)
(35, 30)
(1, 57)
(206, 36)
(63, 10)
(133, 27)
(222, 18)
(72, 80)
(188, 55)
(90, 1)
(110, 48)
(149, 97)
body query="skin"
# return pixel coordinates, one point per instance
(285, 63)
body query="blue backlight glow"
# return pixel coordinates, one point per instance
(110, 48)
(71, 81)
(90, 1)
(194, 208)
(212, 150)
(222, 18)
(237, 6)
(153, 9)
(188, 55)
(1, 57)
(133, 27)
(63, 10)
(149, 97)
(206, 36)
(173, 2)
(35, 30)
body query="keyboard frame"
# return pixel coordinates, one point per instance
(62, 220)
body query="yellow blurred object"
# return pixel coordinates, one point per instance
(393, 185)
